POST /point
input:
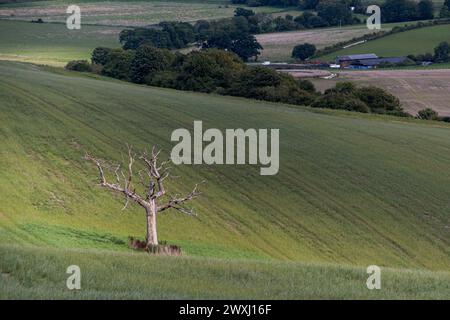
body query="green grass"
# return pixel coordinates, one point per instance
(40, 273)
(400, 44)
(351, 189)
(52, 44)
(278, 46)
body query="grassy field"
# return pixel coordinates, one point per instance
(52, 44)
(278, 46)
(401, 44)
(126, 13)
(30, 273)
(352, 190)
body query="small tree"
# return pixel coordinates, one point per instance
(425, 10)
(428, 114)
(442, 52)
(151, 179)
(303, 51)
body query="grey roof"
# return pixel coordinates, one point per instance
(357, 57)
(374, 62)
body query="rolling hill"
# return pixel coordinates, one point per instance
(352, 190)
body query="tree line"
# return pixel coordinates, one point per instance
(221, 72)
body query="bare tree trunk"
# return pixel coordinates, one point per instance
(152, 236)
(156, 173)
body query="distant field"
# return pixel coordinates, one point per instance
(401, 44)
(51, 43)
(416, 89)
(278, 46)
(125, 13)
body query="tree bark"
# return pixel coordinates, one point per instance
(152, 236)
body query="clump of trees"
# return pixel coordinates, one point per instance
(430, 114)
(170, 35)
(228, 34)
(346, 96)
(222, 72)
(406, 10)
(208, 70)
(445, 10)
(303, 51)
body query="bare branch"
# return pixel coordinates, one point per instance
(177, 203)
(115, 187)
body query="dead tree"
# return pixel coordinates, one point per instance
(151, 178)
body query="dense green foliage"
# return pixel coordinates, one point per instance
(209, 70)
(347, 96)
(428, 114)
(303, 51)
(79, 65)
(406, 10)
(170, 35)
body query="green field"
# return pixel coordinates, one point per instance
(126, 13)
(31, 273)
(278, 46)
(51, 43)
(400, 44)
(352, 190)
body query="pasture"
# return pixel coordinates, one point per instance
(126, 13)
(400, 44)
(51, 43)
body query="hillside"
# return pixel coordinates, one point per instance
(352, 189)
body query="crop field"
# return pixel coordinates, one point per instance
(34, 272)
(125, 13)
(52, 44)
(416, 89)
(401, 44)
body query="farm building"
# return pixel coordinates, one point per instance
(365, 61)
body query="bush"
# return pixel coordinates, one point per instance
(303, 51)
(148, 60)
(428, 114)
(356, 105)
(101, 55)
(379, 100)
(208, 70)
(79, 65)
(119, 64)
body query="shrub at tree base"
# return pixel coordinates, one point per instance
(161, 249)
